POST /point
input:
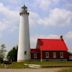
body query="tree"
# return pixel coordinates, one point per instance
(2, 52)
(12, 54)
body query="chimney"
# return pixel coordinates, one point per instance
(61, 37)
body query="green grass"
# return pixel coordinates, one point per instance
(44, 64)
(14, 65)
(53, 63)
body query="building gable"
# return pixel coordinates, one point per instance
(51, 45)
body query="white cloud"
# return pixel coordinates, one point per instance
(69, 35)
(44, 4)
(4, 25)
(10, 19)
(57, 16)
(12, 1)
(68, 40)
(33, 39)
(34, 17)
(53, 36)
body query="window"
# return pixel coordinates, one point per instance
(25, 52)
(47, 54)
(35, 55)
(61, 54)
(70, 57)
(54, 54)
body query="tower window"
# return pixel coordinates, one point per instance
(25, 52)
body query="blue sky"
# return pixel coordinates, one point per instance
(47, 19)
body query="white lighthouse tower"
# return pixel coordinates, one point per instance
(24, 41)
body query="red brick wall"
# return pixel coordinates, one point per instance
(50, 55)
(38, 55)
(65, 54)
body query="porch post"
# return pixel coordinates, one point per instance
(41, 55)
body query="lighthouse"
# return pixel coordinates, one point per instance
(24, 40)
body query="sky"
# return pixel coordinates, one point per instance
(47, 19)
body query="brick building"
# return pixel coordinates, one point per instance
(50, 49)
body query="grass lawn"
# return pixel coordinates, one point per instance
(44, 64)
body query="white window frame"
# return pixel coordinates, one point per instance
(35, 55)
(70, 57)
(47, 54)
(61, 55)
(54, 54)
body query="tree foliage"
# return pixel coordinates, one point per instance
(2, 52)
(12, 54)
